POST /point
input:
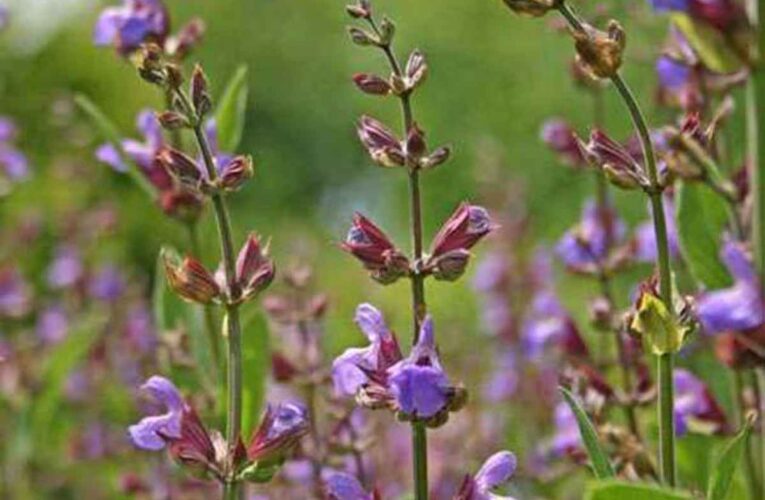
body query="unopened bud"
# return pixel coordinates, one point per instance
(180, 166)
(436, 157)
(187, 39)
(360, 10)
(189, 278)
(620, 177)
(534, 8)
(416, 69)
(174, 76)
(387, 31)
(415, 143)
(172, 120)
(601, 52)
(200, 95)
(451, 265)
(235, 173)
(371, 84)
(254, 270)
(362, 37)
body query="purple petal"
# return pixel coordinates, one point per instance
(673, 74)
(66, 268)
(107, 153)
(418, 390)
(107, 25)
(736, 308)
(149, 127)
(52, 325)
(371, 321)
(14, 163)
(665, 5)
(164, 391)
(343, 486)
(738, 262)
(347, 377)
(496, 470)
(146, 433)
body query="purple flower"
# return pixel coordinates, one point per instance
(66, 268)
(418, 383)
(645, 237)
(503, 380)
(351, 369)
(13, 162)
(279, 431)
(15, 295)
(673, 74)
(344, 486)
(139, 329)
(131, 24)
(585, 247)
(561, 138)
(148, 433)
(107, 285)
(52, 325)
(497, 470)
(549, 323)
(739, 307)
(693, 402)
(666, 5)
(566, 439)
(722, 14)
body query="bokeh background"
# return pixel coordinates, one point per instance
(494, 79)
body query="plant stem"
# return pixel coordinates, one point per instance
(211, 330)
(419, 307)
(233, 328)
(740, 414)
(665, 361)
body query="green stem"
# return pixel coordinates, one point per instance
(665, 361)
(211, 329)
(740, 413)
(233, 328)
(419, 307)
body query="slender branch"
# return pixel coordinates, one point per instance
(665, 361)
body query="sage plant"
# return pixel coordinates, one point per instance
(416, 387)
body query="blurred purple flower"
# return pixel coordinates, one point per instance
(107, 285)
(693, 401)
(549, 323)
(664, 5)
(566, 439)
(418, 383)
(139, 329)
(585, 247)
(52, 324)
(147, 434)
(15, 294)
(645, 237)
(131, 24)
(66, 268)
(280, 429)
(673, 74)
(343, 486)
(739, 307)
(13, 162)
(561, 138)
(722, 14)
(503, 380)
(497, 470)
(351, 369)
(77, 386)
(492, 272)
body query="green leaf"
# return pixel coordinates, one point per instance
(722, 475)
(658, 326)
(110, 134)
(230, 113)
(619, 490)
(600, 464)
(713, 49)
(66, 356)
(701, 218)
(256, 364)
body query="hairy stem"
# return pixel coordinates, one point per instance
(665, 361)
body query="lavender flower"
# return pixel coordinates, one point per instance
(645, 236)
(739, 307)
(586, 247)
(52, 324)
(344, 486)
(504, 379)
(131, 24)
(549, 323)
(13, 162)
(566, 440)
(497, 470)
(107, 285)
(66, 269)
(694, 404)
(280, 429)
(352, 368)
(418, 383)
(15, 295)
(148, 433)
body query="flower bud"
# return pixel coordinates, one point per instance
(436, 157)
(235, 173)
(200, 96)
(601, 52)
(561, 138)
(415, 144)
(466, 226)
(362, 37)
(450, 266)
(187, 39)
(180, 166)
(189, 278)
(387, 30)
(371, 84)
(533, 8)
(360, 10)
(282, 368)
(416, 69)
(279, 431)
(616, 162)
(373, 248)
(148, 61)
(381, 144)
(254, 270)
(181, 204)
(171, 120)
(193, 449)
(174, 75)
